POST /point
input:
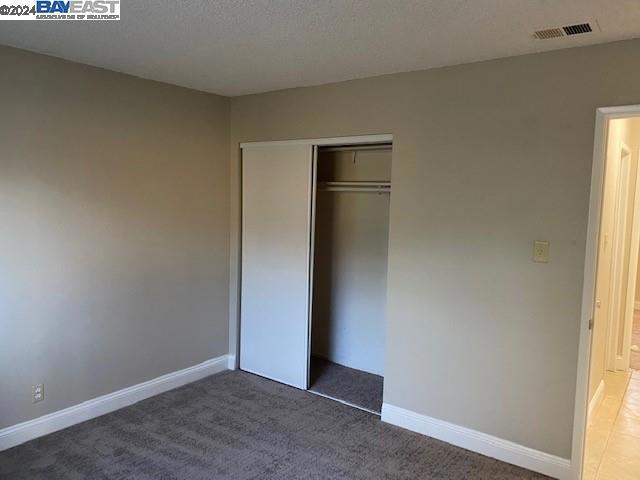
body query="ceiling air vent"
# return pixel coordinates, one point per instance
(548, 33)
(577, 29)
(565, 31)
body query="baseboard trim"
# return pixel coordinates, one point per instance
(52, 422)
(231, 362)
(478, 442)
(596, 400)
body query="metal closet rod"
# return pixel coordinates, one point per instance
(352, 148)
(372, 187)
(379, 191)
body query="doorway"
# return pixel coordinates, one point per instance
(350, 273)
(606, 427)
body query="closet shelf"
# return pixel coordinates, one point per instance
(375, 187)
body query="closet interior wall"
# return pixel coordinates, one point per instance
(350, 259)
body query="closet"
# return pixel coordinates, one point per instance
(350, 273)
(315, 228)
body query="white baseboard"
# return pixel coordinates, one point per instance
(231, 362)
(478, 442)
(23, 432)
(596, 400)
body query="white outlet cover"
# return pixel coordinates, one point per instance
(37, 393)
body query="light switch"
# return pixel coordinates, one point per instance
(541, 251)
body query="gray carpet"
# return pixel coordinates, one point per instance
(353, 386)
(235, 425)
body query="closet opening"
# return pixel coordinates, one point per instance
(349, 273)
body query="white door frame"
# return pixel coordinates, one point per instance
(312, 241)
(603, 115)
(618, 296)
(633, 272)
(617, 317)
(328, 141)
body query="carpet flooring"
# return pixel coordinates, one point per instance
(235, 425)
(353, 386)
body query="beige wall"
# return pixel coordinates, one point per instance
(114, 217)
(623, 130)
(487, 158)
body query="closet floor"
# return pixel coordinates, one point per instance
(353, 386)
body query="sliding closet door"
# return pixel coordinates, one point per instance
(277, 187)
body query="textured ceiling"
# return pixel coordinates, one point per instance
(234, 47)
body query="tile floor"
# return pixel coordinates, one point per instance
(612, 450)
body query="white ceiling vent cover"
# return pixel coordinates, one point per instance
(564, 31)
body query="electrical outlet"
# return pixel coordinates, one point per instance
(37, 393)
(541, 251)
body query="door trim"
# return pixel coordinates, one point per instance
(353, 140)
(618, 284)
(311, 256)
(633, 271)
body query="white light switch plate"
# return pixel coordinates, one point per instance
(541, 251)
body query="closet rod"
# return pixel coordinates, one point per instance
(355, 184)
(379, 187)
(356, 190)
(351, 148)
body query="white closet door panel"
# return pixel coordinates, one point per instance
(277, 188)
